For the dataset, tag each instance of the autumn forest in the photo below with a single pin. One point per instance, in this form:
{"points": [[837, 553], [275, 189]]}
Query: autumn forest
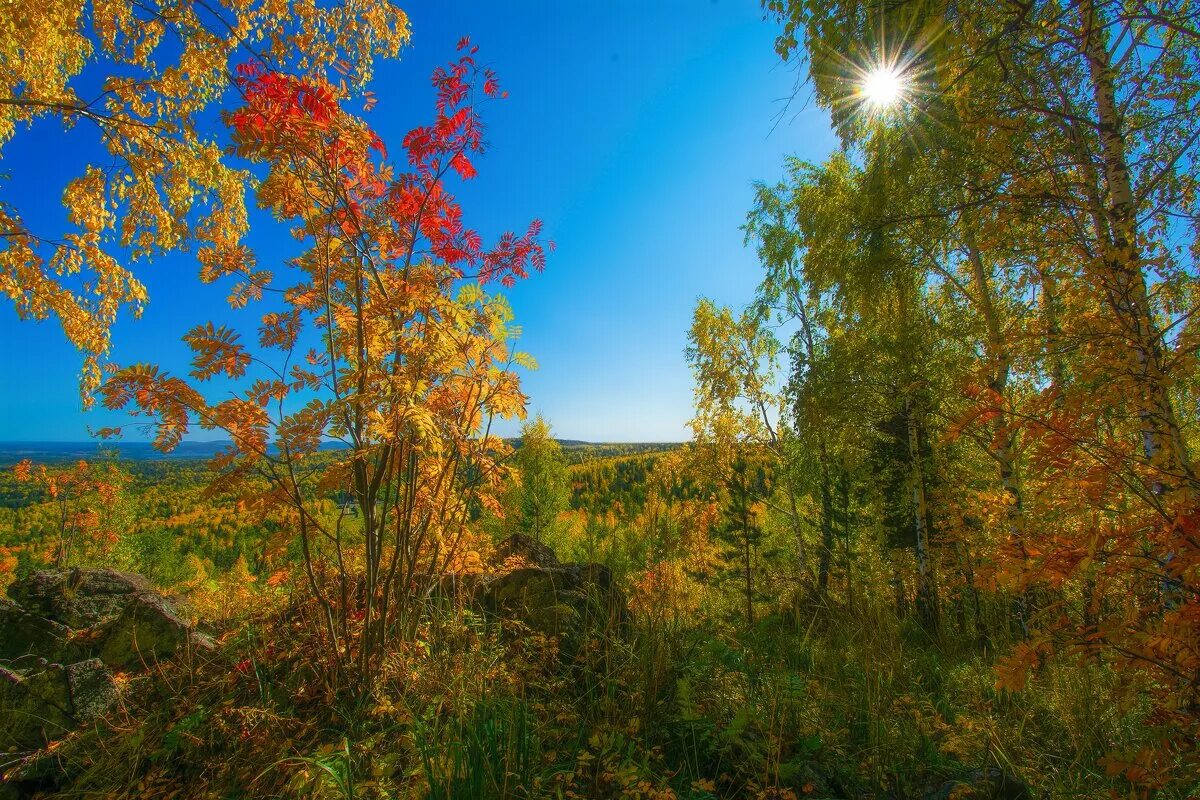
{"points": [[929, 527]]}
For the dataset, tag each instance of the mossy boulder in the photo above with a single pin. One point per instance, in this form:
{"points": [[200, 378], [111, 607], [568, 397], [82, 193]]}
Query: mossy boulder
{"points": [[59, 640], [532, 595], [67, 616], [147, 631], [34, 709], [558, 601], [78, 598], [42, 704], [531, 551], [26, 635], [982, 784]]}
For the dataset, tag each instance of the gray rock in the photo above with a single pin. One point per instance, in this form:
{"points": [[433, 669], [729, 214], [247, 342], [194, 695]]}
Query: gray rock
{"points": [[147, 631], [982, 784], [535, 553], [34, 709], [558, 601], [92, 689], [24, 634], [71, 617], [202, 642], [78, 598]]}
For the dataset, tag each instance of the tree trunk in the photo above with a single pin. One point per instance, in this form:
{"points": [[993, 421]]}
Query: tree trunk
{"points": [[1120, 273], [1003, 436], [826, 525], [798, 531], [1052, 319], [749, 575], [844, 492], [926, 585], [810, 353]]}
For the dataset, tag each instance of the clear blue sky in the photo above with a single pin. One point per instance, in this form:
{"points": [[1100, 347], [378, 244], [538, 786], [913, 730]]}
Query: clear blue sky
{"points": [[633, 129]]}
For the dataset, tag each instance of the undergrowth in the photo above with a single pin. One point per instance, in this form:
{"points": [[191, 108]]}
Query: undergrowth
{"points": [[803, 706]]}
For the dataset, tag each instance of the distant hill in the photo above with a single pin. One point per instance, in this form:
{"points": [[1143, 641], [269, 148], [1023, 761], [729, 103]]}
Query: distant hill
{"points": [[57, 452], [50, 452], [581, 452]]}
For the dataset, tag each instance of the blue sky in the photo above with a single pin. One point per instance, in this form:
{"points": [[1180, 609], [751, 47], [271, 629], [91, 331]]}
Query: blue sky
{"points": [[633, 129]]}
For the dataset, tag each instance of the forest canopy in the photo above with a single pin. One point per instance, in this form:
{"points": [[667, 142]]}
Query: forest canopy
{"points": [[935, 532]]}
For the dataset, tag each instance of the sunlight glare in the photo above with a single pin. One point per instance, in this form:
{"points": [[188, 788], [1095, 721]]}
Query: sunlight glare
{"points": [[882, 87]]}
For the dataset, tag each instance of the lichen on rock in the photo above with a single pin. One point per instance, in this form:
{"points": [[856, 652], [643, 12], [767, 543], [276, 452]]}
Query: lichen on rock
{"points": [[62, 632]]}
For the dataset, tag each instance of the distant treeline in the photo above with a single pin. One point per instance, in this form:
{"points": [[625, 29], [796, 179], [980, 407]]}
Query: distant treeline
{"points": [[620, 483], [574, 450], [580, 452]]}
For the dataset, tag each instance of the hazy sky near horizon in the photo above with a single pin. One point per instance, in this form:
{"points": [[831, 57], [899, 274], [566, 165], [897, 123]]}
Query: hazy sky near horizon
{"points": [[634, 130]]}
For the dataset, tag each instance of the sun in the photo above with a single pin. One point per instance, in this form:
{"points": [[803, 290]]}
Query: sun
{"points": [[882, 87]]}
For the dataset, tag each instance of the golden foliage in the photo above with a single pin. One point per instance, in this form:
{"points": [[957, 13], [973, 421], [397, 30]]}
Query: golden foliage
{"points": [[166, 183]]}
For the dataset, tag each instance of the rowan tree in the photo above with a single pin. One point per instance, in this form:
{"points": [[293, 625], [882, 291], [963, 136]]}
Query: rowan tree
{"points": [[386, 342], [84, 498]]}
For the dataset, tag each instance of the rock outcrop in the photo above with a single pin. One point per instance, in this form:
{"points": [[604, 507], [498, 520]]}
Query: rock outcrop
{"points": [[551, 597], [146, 631], [529, 550], [78, 598], [982, 784], [62, 634], [27, 634], [44, 703]]}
